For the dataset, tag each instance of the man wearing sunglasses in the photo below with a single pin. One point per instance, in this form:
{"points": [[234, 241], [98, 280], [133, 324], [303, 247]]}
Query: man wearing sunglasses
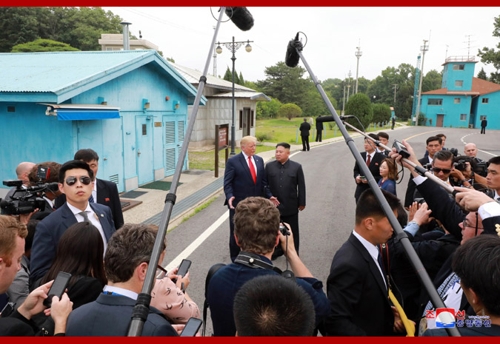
{"points": [[75, 181]]}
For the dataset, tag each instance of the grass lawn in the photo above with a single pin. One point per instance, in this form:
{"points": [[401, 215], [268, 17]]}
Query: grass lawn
{"points": [[270, 130]]}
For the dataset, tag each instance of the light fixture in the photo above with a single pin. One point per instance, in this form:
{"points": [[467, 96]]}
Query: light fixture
{"points": [[145, 104], [167, 98], [218, 50], [177, 105], [248, 47], [102, 101]]}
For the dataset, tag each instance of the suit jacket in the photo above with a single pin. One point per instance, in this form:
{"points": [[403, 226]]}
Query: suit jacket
{"points": [[410, 189], [107, 194], [374, 169], [49, 231], [110, 315], [238, 181], [359, 304], [304, 129], [288, 184]]}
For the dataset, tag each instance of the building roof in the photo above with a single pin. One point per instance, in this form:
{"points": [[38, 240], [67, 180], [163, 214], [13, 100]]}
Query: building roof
{"points": [[59, 76], [479, 87], [193, 76]]}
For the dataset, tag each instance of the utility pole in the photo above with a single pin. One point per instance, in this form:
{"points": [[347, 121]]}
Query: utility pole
{"points": [[395, 87], [358, 54], [215, 60], [423, 48], [348, 85]]}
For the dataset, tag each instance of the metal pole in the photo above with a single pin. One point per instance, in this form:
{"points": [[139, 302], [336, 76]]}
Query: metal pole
{"points": [[233, 134], [424, 49], [410, 251], [358, 55], [141, 308]]}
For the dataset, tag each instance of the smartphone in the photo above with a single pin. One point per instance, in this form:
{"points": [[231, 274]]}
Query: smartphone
{"points": [[362, 177], [58, 287], [191, 328], [184, 267]]}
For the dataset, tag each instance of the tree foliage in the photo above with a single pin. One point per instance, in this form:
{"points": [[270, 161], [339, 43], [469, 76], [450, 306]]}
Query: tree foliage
{"points": [[80, 27], [268, 109], [381, 113], [42, 45], [359, 105], [482, 74], [491, 55], [289, 111]]}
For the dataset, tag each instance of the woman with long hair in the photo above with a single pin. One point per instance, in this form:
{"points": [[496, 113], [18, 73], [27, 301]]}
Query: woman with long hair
{"points": [[389, 174], [80, 252]]}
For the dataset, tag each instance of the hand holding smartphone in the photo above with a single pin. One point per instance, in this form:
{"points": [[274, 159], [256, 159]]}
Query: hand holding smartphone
{"points": [[191, 328], [58, 287], [183, 269]]}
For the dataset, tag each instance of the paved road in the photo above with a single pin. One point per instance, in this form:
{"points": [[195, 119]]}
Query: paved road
{"points": [[328, 218]]}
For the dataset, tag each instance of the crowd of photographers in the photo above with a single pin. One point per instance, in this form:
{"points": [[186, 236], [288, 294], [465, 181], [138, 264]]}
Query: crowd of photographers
{"points": [[369, 291]]}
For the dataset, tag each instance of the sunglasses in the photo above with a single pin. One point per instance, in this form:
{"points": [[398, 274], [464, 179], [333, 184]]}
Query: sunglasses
{"points": [[437, 170], [83, 179], [160, 272]]}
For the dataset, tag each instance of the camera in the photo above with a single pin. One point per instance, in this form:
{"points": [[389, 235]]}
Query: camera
{"points": [[283, 229], [481, 168], [25, 199], [460, 165], [401, 149]]}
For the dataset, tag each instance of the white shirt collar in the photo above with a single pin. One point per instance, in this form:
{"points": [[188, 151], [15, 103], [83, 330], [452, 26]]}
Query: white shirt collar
{"points": [[124, 292]]}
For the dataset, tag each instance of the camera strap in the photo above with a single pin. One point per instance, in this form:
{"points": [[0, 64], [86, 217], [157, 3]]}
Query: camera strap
{"points": [[254, 261]]}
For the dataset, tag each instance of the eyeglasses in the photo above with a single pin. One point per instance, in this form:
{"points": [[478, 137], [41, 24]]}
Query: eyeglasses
{"points": [[160, 272], [83, 179], [465, 224], [437, 170]]}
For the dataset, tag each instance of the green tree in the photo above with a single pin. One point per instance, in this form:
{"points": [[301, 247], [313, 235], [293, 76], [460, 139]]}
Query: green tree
{"points": [[42, 45], [432, 81], [491, 55], [482, 74], [359, 105], [314, 105], [286, 84], [229, 76], [18, 25], [289, 111], [381, 113], [268, 109]]}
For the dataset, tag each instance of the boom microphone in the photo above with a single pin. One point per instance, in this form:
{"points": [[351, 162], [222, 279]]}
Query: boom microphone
{"points": [[292, 56], [241, 17], [331, 119]]}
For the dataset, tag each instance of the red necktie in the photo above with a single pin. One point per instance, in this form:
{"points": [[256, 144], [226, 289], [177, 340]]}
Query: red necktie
{"points": [[252, 170], [368, 160]]}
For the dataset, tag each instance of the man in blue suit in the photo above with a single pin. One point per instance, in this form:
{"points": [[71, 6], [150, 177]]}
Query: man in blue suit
{"points": [[244, 176], [75, 180]]}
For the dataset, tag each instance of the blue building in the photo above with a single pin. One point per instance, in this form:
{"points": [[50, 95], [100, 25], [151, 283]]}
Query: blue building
{"points": [[463, 101], [130, 106]]}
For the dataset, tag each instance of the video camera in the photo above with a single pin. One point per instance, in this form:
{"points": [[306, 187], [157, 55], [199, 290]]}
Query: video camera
{"points": [[25, 199]]}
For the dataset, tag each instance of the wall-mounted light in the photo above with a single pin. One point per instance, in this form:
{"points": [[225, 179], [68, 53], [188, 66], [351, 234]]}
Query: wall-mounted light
{"points": [[145, 104], [102, 101], [177, 104], [167, 98]]}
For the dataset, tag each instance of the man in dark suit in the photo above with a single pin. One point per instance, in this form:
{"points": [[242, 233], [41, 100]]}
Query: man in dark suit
{"points": [[75, 180], [319, 129], [373, 160], [433, 145], [126, 263], [244, 176], [286, 181], [104, 192], [304, 128], [484, 123], [356, 286]]}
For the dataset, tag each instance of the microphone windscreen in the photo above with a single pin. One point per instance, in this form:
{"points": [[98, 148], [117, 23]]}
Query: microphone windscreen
{"points": [[325, 119], [292, 56], [241, 17]]}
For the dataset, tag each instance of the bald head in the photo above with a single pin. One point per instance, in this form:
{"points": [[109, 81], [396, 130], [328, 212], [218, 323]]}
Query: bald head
{"points": [[23, 170], [470, 149]]}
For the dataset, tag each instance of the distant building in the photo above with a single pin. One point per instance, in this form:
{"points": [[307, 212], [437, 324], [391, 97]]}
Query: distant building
{"points": [[131, 107], [114, 41], [463, 101]]}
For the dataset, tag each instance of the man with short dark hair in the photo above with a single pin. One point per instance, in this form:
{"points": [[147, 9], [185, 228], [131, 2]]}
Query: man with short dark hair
{"points": [[373, 159], [304, 129], [125, 262], [75, 180], [287, 183], [319, 129], [357, 286], [256, 231], [383, 137], [493, 176], [272, 305], [104, 192]]}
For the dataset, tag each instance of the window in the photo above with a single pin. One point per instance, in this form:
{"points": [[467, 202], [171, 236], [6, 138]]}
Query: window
{"points": [[485, 100], [459, 83], [456, 101], [463, 116], [434, 101], [458, 67]]}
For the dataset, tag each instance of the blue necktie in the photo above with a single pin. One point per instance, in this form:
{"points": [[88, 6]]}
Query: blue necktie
{"points": [[91, 199]]}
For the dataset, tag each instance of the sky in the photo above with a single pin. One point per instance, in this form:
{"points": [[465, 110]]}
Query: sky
{"points": [[387, 37]]}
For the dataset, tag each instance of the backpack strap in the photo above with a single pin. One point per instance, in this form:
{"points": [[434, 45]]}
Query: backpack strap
{"points": [[213, 269]]}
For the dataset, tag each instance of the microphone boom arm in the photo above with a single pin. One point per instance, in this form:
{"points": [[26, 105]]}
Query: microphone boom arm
{"points": [[410, 251]]}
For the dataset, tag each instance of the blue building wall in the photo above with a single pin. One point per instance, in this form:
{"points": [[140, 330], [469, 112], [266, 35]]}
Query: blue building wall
{"points": [[452, 73], [491, 110], [134, 149]]}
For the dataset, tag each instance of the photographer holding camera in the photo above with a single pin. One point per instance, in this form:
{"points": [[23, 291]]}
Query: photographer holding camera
{"points": [[463, 173], [256, 231]]}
